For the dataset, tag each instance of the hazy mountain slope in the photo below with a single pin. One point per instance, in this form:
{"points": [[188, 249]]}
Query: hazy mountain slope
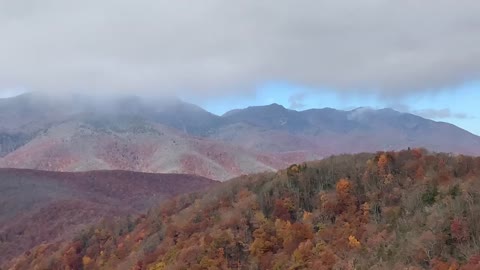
{"points": [[132, 144], [168, 135], [329, 131], [22, 117], [39, 206]]}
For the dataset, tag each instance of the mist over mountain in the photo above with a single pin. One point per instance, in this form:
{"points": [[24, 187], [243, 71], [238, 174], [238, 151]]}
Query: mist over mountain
{"points": [[247, 135], [80, 133]]}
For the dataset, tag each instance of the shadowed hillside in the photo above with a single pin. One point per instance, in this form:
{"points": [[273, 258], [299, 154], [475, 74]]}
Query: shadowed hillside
{"points": [[390, 210], [40, 206]]}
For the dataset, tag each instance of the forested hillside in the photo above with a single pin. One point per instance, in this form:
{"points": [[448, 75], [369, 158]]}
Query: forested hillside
{"points": [[45, 207], [390, 210]]}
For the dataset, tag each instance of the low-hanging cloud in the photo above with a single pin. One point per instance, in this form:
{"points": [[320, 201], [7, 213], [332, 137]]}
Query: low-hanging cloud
{"points": [[440, 114], [297, 101], [432, 113], [217, 46]]}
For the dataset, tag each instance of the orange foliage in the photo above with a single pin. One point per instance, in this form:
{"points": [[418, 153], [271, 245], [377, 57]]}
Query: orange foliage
{"points": [[86, 260], [317, 219], [420, 173], [343, 188], [353, 242], [264, 241], [382, 164]]}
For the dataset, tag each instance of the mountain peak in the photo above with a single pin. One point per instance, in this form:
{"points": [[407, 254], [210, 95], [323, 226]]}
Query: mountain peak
{"points": [[275, 105], [362, 109], [271, 108]]}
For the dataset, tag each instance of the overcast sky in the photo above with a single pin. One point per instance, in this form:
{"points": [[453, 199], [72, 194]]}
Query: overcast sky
{"points": [[389, 50]]}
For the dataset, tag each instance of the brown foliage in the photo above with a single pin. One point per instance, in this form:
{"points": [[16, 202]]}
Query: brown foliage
{"points": [[387, 211]]}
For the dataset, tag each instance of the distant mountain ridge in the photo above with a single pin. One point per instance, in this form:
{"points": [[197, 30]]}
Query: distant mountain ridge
{"points": [[168, 135]]}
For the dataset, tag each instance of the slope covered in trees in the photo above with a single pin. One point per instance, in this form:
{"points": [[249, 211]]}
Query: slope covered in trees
{"points": [[395, 210], [43, 207]]}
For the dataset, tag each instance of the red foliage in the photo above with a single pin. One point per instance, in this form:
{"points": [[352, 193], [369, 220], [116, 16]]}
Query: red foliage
{"points": [[68, 201], [283, 209], [459, 230]]}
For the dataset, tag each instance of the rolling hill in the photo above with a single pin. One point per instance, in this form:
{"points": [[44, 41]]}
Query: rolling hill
{"points": [[42, 207]]}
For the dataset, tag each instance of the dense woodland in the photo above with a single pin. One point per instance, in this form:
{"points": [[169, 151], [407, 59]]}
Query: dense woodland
{"points": [[389, 210]]}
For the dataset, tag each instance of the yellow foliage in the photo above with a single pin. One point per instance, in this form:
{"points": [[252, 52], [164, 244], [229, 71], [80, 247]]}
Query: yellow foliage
{"points": [[40, 250], [206, 262], [366, 209], [86, 260], [158, 266], [171, 254], [323, 197], [370, 164], [304, 252], [320, 247], [388, 179], [294, 168], [353, 242], [288, 203], [263, 242], [260, 217], [197, 204]]}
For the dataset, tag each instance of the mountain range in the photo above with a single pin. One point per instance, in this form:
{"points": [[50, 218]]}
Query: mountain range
{"points": [[168, 135]]}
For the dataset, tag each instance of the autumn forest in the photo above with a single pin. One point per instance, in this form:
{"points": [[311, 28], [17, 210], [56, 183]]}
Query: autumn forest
{"points": [[390, 210]]}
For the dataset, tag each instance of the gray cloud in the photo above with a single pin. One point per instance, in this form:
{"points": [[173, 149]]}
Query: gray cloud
{"points": [[432, 113], [297, 101], [440, 114], [216, 46]]}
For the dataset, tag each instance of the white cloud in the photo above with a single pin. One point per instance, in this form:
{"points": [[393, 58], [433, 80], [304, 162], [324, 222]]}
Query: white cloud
{"points": [[440, 114], [297, 101], [433, 113], [216, 46]]}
